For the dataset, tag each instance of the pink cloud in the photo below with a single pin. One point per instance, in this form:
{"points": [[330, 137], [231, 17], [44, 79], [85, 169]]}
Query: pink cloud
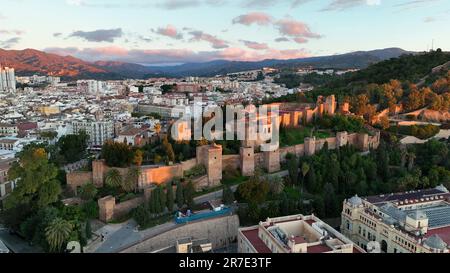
{"points": [[170, 31], [215, 42], [300, 40], [290, 27], [158, 56], [255, 45], [259, 18]]}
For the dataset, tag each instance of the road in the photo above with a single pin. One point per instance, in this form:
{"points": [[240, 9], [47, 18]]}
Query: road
{"points": [[17, 244], [119, 236]]}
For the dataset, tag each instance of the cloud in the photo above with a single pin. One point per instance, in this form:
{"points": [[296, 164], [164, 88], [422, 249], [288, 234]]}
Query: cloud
{"points": [[281, 39], [269, 3], [158, 56], [12, 31], [292, 28], [429, 19], [215, 42], [411, 4], [145, 39], [169, 31], [100, 35], [300, 40], [57, 34], [9, 43], [259, 18], [178, 4], [339, 5], [255, 45]]}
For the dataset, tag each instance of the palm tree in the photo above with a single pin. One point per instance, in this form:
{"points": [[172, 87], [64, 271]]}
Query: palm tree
{"points": [[305, 170], [57, 233], [113, 178], [132, 179]]}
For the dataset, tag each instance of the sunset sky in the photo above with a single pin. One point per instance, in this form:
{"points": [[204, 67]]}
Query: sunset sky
{"points": [[178, 31]]}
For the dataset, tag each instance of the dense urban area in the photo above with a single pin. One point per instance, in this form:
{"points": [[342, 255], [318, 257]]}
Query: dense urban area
{"points": [[362, 163]]}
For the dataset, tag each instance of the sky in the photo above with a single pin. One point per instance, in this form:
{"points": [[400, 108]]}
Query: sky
{"points": [[162, 32]]}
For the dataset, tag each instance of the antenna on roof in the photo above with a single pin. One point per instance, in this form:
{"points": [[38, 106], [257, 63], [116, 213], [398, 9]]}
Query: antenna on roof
{"points": [[432, 44]]}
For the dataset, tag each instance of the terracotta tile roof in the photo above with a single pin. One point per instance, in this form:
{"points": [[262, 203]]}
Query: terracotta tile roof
{"points": [[443, 233], [318, 249], [257, 243]]}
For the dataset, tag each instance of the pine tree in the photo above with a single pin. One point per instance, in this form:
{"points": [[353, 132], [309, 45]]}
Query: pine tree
{"points": [[189, 194], [180, 196], [227, 195], [170, 200]]}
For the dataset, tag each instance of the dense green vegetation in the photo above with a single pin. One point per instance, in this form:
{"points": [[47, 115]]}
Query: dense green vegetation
{"points": [[321, 182], [387, 84], [294, 136], [291, 80], [419, 131], [34, 209]]}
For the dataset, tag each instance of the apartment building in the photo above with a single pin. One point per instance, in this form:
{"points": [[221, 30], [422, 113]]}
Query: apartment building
{"points": [[99, 131]]}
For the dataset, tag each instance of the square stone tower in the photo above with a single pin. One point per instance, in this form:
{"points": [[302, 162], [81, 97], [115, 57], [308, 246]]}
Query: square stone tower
{"points": [[272, 161], [341, 139], [98, 170], [330, 105], [247, 161], [106, 206], [310, 146], [213, 162]]}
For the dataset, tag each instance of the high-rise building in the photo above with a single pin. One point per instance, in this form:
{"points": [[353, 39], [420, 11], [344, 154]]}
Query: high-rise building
{"points": [[7, 79], [406, 222], [99, 131]]}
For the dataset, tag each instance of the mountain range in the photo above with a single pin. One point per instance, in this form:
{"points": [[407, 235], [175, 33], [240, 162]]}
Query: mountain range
{"points": [[30, 61]]}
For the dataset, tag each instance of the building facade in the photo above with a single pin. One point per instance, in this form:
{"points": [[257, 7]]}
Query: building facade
{"points": [[99, 131], [407, 222], [294, 234], [7, 80]]}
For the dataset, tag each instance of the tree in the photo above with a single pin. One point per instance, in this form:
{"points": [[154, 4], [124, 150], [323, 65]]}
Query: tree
{"points": [[138, 157], [117, 154], [57, 233], [37, 186], [255, 190], [305, 170], [73, 147], [113, 178], [293, 169], [141, 215], [88, 191], [189, 192], [168, 149], [329, 196], [180, 196], [170, 198], [227, 195], [130, 183], [276, 185]]}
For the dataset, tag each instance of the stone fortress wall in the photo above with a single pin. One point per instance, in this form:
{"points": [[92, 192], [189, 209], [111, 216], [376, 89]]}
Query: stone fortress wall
{"points": [[211, 156], [220, 231]]}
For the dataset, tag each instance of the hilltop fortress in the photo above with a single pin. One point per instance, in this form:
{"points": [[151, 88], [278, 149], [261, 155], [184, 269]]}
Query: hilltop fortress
{"points": [[212, 158], [215, 162]]}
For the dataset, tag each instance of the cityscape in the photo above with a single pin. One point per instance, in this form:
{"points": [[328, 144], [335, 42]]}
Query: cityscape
{"points": [[249, 135]]}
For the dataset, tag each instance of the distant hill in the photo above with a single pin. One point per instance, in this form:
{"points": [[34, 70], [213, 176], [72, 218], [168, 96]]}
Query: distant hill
{"points": [[30, 61], [359, 59]]}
